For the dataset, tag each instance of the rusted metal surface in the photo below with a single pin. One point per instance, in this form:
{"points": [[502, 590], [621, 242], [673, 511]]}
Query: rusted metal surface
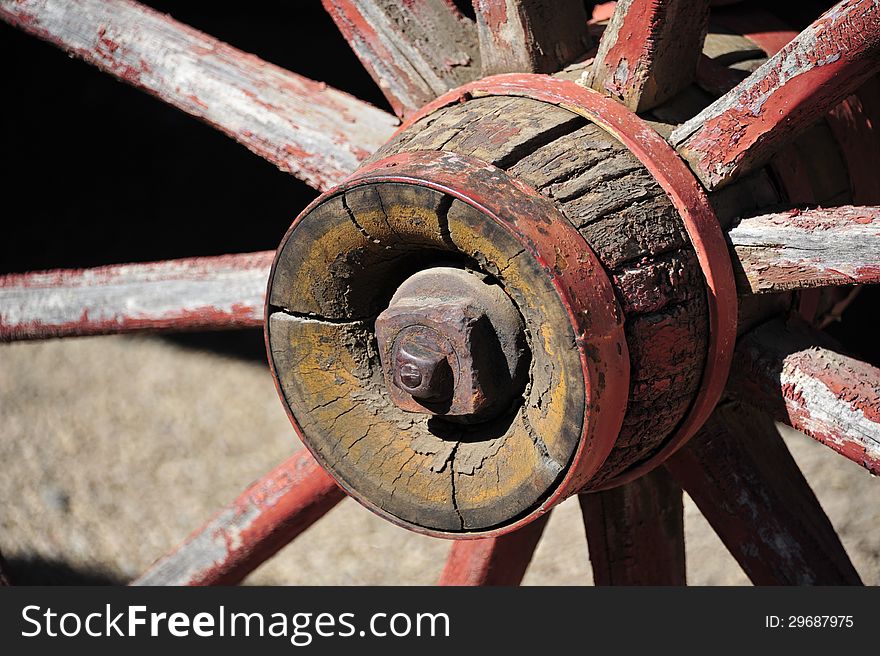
{"points": [[685, 194], [823, 65], [798, 249], [746, 484], [649, 51], [493, 561], [451, 345], [635, 532], [304, 127], [552, 447], [414, 51], [530, 36], [268, 515], [196, 293], [794, 375]]}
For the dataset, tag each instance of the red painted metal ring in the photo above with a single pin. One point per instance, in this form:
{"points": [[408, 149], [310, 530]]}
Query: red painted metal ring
{"points": [[585, 291], [686, 194]]}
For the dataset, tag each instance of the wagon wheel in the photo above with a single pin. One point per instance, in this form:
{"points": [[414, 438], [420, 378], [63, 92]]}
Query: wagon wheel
{"points": [[526, 292]]}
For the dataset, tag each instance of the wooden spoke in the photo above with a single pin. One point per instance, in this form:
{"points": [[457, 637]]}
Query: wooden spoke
{"points": [[740, 474], [493, 561], [822, 66], [635, 532], [530, 36], [270, 513], [315, 132], [650, 50], [415, 51], [196, 293], [813, 248], [792, 374]]}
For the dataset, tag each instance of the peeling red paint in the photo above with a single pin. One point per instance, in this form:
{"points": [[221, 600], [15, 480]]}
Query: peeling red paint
{"points": [[830, 397], [493, 561], [268, 515], [825, 63], [414, 60], [258, 104], [741, 476], [685, 194], [135, 297]]}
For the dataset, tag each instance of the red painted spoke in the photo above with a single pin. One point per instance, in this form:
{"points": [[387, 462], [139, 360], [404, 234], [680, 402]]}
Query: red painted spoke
{"points": [[823, 65], [834, 399], [316, 133], [196, 293], [740, 474], [813, 248], [635, 532], [530, 36], [649, 51], [493, 561], [850, 122], [270, 513], [415, 51]]}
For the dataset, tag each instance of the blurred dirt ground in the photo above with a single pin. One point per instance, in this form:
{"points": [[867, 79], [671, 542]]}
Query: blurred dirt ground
{"points": [[115, 448]]}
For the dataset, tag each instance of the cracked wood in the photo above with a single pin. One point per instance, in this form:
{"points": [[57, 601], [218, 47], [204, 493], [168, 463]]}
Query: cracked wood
{"points": [[795, 374], [740, 474], [798, 249], [196, 293], [649, 51], [315, 132], [415, 51], [635, 532], [629, 222], [530, 36], [823, 65]]}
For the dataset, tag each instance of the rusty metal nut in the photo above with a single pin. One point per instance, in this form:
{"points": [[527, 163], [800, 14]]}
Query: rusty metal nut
{"points": [[452, 345], [421, 364]]}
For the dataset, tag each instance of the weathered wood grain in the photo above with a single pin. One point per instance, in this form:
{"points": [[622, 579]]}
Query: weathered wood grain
{"points": [[493, 561], [414, 51], [530, 36], [794, 374], [798, 249], [740, 474], [650, 50], [268, 515], [635, 532], [823, 65], [306, 128], [627, 219], [196, 293]]}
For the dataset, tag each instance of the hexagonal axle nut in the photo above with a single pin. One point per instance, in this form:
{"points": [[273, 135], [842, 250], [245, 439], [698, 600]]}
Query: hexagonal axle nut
{"points": [[452, 345]]}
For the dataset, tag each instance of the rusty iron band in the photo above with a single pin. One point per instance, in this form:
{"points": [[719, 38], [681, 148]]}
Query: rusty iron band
{"points": [[584, 290], [687, 196]]}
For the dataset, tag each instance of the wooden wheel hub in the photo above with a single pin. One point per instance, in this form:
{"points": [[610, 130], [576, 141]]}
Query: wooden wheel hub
{"points": [[526, 292], [485, 278]]}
